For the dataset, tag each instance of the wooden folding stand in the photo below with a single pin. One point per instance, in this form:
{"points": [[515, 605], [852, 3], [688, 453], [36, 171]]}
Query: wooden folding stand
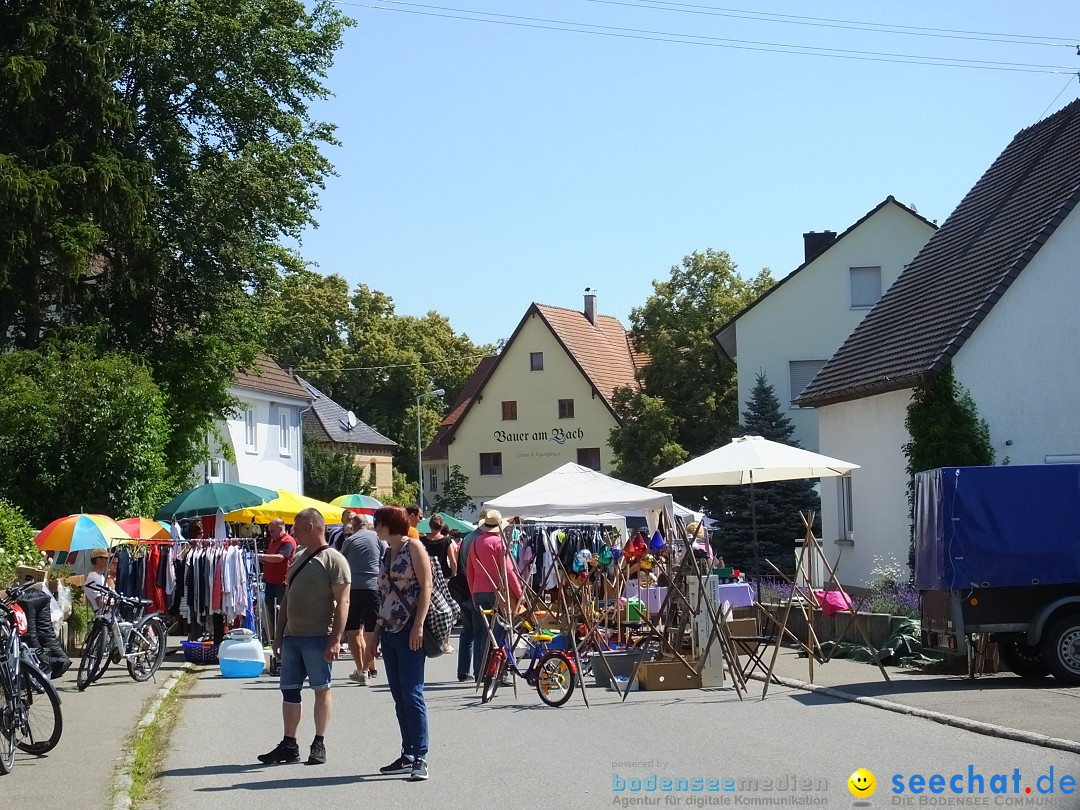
{"points": [[813, 646]]}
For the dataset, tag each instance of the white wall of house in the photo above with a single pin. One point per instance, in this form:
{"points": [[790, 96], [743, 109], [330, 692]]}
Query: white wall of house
{"points": [[1022, 364], [869, 432], [266, 456], [811, 315]]}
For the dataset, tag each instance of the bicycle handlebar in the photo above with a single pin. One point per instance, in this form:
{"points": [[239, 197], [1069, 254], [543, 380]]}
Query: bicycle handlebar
{"points": [[107, 591]]}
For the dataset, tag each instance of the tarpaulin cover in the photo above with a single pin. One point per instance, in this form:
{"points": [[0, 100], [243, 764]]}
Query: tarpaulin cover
{"points": [[979, 527]]}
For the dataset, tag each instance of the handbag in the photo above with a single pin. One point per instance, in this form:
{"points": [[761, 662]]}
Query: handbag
{"points": [[440, 616]]}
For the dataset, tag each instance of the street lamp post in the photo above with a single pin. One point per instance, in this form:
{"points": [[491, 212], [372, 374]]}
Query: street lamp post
{"points": [[438, 392]]}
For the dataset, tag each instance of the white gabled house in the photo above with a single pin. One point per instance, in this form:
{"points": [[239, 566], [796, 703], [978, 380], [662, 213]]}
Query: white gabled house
{"points": [[793, 329], [266, 434], [995, 293]]}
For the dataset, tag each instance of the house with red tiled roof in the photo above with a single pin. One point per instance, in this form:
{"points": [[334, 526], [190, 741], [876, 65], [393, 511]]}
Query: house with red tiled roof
{"points": [[264, 435], [546, 399], [993, 295]]}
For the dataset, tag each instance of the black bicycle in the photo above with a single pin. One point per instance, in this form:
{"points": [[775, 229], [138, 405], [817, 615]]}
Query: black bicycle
{"points": [[120, 628], [30, 716]]}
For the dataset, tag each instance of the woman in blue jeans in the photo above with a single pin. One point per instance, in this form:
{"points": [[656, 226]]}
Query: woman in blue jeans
{"points": [[405, 586]]}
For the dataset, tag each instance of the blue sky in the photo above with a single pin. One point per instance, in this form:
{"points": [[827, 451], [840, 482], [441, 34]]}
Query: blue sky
{"points": [[486, 166]]}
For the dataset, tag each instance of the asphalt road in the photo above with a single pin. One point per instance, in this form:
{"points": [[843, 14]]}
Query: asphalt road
{"points": [[518, 752]]}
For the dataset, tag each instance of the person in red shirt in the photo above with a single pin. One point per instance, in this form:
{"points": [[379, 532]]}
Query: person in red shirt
{"points": [[492, 577], [275, 567]]}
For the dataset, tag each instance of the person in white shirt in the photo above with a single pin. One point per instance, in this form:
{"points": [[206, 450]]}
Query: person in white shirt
{"points": [[99, 559]]}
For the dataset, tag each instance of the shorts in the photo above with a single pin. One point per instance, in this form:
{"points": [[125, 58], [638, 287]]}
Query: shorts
{"points": [[304, 657], [363, 610]]}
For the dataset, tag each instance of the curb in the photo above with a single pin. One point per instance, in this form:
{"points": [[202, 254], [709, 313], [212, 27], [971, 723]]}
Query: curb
{"points": [[976, 726], [122, 780]]}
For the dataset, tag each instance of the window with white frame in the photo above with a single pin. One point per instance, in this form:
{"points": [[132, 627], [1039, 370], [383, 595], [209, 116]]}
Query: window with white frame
{"points": [[865, 286], [800, 374], [284, 432], [845, 511], [250, 430], [215, 470], [433, 484]]}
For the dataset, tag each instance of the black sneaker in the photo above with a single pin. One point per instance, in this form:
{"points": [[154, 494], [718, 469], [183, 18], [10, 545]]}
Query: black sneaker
{"points": [[285, 752], [373, 673], [317, 754], [419, 770], [403, 764], [463, 678]]}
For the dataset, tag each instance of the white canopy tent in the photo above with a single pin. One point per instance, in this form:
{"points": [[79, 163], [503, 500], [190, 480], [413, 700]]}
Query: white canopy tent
{"points": [[574, 490]]}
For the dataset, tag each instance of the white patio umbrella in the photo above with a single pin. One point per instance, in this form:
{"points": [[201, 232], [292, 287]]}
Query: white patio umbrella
{"points": [[751, 460]]}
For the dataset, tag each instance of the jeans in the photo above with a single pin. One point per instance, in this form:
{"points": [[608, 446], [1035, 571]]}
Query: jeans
{"points": [[304, 657], [405, 676], [481, 641], [472, 636]]}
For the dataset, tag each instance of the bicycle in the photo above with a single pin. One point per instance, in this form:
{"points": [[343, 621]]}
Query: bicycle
{"points": [[30, 717], [552, 672], [142, 639]]}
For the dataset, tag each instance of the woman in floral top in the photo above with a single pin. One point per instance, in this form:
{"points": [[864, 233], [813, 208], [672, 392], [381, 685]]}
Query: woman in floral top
{"points": [[405, 585]]}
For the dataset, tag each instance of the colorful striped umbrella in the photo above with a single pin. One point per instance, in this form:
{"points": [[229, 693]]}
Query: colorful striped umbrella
{"points": [[140, 528], [357, 503], [80, 533]]}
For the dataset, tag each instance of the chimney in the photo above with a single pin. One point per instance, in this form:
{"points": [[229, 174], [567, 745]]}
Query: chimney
{"points": [[590, 305], [814, 242]]}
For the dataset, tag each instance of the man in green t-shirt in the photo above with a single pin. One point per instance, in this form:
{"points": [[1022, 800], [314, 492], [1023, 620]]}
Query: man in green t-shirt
{"points": [[307, 638]]}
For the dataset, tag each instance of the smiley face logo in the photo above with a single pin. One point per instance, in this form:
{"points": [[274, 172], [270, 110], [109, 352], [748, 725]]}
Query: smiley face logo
{"points": [[862, 784]]}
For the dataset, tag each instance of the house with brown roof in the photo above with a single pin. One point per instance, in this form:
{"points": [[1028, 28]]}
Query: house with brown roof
{"points": [[789, 331], [265, 434], [994, 295], [546, 399], [339, 430]]}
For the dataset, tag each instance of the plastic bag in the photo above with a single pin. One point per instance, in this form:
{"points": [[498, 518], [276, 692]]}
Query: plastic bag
{"points": [[63, 597]]}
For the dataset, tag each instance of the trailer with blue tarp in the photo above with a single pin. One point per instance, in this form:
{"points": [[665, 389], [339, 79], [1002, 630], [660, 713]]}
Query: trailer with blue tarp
{"points": [[997, 553]]}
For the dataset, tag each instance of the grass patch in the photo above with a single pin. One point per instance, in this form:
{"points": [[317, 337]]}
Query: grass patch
{"points": [[150, 745]]}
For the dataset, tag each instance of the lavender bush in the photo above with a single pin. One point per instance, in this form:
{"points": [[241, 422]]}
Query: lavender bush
{"points": [[890, 590]]}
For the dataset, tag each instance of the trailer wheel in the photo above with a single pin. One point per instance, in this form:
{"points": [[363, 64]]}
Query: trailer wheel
{"points": [[1023, 659], [1061, 649]]}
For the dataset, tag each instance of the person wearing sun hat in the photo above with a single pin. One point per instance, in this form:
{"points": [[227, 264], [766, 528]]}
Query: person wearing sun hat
{"points": [[99, 560], [491, 573]]}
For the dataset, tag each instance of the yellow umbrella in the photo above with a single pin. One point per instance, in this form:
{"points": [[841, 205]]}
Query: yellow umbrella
{"points": [[286, 506]]}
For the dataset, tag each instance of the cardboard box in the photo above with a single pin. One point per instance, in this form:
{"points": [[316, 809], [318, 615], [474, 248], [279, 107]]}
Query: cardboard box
{"points": [[656, 676], [743, 627]]}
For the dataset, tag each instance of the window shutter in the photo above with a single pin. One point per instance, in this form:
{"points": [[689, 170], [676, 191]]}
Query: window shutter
{"points": [[865, 286], [802, 372]]}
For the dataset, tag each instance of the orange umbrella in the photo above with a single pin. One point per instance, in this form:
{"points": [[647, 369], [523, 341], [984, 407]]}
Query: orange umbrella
{"points": [[140, 528]]}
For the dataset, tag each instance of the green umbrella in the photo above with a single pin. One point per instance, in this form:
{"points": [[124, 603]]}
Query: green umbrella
{"points": [[424, 526], [207, 499]]}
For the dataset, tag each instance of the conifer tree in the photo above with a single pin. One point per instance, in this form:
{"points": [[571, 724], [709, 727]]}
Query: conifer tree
{"points": [[777, 504]]}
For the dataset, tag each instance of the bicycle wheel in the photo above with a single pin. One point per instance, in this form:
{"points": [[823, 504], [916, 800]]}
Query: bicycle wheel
{"points": [[9, 705], [652, 644], [494, 672], [44, 722], [94, 654], [146, 650], [555, 679]]}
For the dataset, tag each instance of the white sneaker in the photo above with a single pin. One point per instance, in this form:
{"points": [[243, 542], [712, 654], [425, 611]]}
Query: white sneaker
{"points": [[358, 677]]}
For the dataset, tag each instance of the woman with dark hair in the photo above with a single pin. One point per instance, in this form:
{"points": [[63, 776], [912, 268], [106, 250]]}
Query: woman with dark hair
{"points": [[405, 583]]}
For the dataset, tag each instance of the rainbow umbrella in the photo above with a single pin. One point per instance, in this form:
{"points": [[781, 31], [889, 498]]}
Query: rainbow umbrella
{"points": [[140, 528], [357, 503], [80, 533]]}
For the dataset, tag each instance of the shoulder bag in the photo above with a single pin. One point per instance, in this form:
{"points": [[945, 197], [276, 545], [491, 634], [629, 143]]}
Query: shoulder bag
{"points": [[295, 571], [440, 616]]}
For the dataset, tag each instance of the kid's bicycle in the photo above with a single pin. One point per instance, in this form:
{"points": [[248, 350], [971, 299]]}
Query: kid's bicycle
{"points": [[552, 672]]}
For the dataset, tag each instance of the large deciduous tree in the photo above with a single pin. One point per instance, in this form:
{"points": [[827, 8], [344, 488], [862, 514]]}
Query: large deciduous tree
{"points": [[688, 402], [152, 158]]}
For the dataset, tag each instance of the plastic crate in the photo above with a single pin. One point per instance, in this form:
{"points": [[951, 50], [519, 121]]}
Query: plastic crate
{"points": [[196, 652]]}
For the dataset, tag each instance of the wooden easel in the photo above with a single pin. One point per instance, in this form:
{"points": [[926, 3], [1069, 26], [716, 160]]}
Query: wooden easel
{"points": [[813, 646]]}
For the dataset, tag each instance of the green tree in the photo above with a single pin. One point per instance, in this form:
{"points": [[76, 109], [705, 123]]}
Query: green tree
{"points": [[328, 473], [455, 493], [155, 157], [85, 433], [693, 399], [776, 504], [16, 542], [946, 431], [645, 443]]}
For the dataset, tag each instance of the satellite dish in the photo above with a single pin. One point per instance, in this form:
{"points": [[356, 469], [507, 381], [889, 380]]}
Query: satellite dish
{"points": [[352, 420]]}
